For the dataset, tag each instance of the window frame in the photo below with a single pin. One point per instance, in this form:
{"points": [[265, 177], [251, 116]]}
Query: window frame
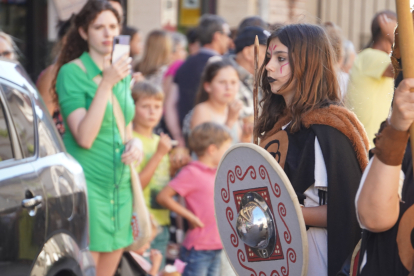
{"points": [[19, 157]]}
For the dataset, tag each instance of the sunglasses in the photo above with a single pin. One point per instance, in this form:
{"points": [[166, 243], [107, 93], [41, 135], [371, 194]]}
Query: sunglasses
{"points": [[6, 53]]}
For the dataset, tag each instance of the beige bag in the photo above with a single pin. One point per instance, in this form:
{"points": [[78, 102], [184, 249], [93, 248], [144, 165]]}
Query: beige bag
{"points": [[140, 222]]}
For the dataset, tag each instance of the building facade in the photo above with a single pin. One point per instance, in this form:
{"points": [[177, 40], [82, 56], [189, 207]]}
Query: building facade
{"points": [[33, 22], [353, 16]]}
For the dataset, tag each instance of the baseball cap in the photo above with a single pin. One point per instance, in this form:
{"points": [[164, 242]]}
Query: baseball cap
{"points": [[247, 36]]}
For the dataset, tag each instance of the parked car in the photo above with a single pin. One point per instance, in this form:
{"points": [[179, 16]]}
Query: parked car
{"points": [[43, 201]]}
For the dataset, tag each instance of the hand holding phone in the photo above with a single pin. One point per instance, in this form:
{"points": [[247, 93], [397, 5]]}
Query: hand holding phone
{"points": [[117, 71]]}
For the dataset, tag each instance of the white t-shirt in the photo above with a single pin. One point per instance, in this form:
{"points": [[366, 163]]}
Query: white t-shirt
{"points": [[317, 236]]}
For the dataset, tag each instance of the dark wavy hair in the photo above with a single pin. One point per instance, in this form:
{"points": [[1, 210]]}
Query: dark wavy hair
{"points": [[311, 59], [75, 45]]}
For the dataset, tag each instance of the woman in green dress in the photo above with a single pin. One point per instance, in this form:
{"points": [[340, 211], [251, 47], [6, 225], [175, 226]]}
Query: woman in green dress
{"points": [[86, 86]]}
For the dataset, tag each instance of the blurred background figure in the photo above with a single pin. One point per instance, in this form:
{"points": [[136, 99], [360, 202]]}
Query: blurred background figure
{"points": [[178, 56], [193, 42], [156, 57], [217, 99], [253, 21], [347, 63], [118, 6], [349, 56], [213, 35], [135, 42], [243, 61], [45, 79], [335, 37], [155, 62], [154, 170], [7, 47], [371, 85], [202, 247], [273, 27]]}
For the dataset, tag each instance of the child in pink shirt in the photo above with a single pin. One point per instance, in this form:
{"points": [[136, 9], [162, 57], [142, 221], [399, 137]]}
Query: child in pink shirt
{"points": [[202, 247]]}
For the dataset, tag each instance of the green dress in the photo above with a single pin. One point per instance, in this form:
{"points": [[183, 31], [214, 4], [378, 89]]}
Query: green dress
{"points": [[108, 179]]}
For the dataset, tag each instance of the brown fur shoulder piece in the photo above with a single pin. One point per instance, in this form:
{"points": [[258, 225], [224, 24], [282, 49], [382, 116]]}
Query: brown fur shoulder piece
{"points": [[278, 126], [346, 122]]}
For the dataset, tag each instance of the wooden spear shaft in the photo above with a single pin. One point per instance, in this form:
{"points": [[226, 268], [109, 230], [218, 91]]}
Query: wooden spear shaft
{"points": [[406, 43], [256, 88]]}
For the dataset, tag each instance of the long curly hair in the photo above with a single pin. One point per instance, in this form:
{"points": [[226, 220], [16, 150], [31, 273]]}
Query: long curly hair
{"points": [[75, 45], [312, 60]]}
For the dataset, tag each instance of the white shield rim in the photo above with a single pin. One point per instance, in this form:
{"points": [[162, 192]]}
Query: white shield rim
{"points": [[271, 160]]}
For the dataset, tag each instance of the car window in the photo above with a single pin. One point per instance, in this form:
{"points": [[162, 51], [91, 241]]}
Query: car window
{"points": [[20, 107], [6, 151]]}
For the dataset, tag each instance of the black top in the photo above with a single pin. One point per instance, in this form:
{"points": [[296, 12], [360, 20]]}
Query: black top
{"points": [[380, 250], [344, 174], [188, 80]]}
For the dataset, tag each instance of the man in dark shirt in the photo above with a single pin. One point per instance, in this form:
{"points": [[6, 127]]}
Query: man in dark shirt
{"points": [[213, 35]]}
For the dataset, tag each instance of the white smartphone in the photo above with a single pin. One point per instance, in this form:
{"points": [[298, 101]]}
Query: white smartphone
{"points": [[120, 47]]}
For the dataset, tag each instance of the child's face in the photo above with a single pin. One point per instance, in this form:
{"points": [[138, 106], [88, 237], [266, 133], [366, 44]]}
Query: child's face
{"points": [[221, 151], [148, 111], [224, 87], [278, 68]]}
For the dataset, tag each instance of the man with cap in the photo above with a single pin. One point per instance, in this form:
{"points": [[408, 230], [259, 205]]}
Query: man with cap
{"points": [[243, 61]]}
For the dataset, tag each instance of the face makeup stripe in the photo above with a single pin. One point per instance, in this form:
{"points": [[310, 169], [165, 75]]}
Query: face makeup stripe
{"points": [[272, 47], [281, 67]]}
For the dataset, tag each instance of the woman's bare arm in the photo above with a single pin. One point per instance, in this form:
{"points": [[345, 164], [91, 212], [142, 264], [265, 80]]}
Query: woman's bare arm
{"points": [[378, 202], [200, 116], [316, 216], [171, 114], [85, 124], [165, 198]]}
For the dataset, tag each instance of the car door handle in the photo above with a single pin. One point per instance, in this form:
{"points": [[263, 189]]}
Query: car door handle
{"points": [[32, 202]]}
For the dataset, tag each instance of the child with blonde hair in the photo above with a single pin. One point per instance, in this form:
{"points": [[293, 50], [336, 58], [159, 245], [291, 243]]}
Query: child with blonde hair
{"points": [[154, 171]]}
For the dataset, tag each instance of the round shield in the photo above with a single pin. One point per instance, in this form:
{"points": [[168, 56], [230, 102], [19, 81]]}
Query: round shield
{"points": [[258, 215]]}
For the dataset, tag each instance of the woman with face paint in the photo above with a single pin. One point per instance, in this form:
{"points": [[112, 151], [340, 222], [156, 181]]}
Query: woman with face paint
{"points": [[321, 146]]}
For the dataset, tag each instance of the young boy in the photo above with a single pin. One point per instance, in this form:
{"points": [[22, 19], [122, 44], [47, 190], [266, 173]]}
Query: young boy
{"points": [[154, 170], [202, 247]]}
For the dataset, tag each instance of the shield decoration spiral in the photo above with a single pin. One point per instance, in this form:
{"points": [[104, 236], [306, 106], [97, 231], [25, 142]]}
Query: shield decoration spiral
{"points": [[258, 215]]}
